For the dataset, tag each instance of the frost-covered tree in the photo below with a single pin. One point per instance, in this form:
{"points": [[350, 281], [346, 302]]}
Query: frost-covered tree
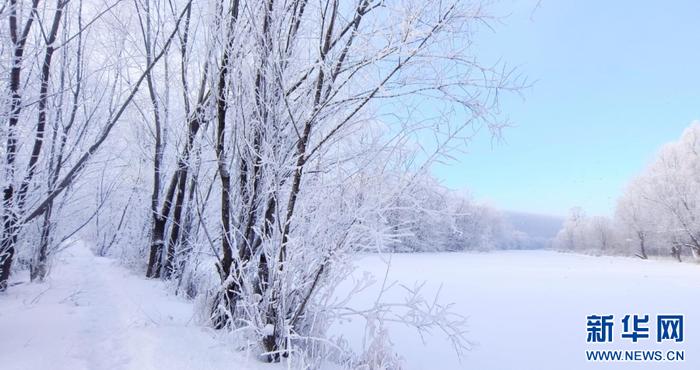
{"points": [[284, 103], [658, 213], [56, 116], [245, 150], [661, 206], [571, 236], [433, 218], [637, 220], [581, 233]]}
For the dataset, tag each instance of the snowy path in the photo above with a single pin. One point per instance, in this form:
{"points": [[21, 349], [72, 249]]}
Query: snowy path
{"points": [[93, 314]]}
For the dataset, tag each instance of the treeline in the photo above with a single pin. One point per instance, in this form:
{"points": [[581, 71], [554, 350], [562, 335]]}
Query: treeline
{"points": [[658, 213], [436, 219]]}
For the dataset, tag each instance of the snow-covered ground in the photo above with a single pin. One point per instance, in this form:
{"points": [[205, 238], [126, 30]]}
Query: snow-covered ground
{"points": [[527, 311], [94, 314]]}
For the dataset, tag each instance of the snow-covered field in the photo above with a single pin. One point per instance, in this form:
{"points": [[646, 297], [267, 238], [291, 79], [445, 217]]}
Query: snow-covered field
{"points": [[527, 310]]}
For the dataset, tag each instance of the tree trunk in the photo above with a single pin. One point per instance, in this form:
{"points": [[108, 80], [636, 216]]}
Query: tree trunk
{"points": [[157, 242], [182, 172], [676, 252], [9, 237], [10, 221], [227, 265], [176, 224], [642, 248], [156, 265], [38, 267]]}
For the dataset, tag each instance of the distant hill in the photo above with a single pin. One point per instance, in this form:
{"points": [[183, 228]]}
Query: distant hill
{"points": [[540, 229]]}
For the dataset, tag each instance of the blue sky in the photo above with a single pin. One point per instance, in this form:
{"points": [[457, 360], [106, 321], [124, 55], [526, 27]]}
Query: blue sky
{"points": [[614, 80]]}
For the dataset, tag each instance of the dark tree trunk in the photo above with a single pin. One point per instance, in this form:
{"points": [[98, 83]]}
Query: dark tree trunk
{"points": [[182, 172], [158, 219], [676, 252], [176, 225], [227, 265], [157, 266], [156, 251], [155, 257], [38, 267], [9, 237], [18, 36], [642, 248]]}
